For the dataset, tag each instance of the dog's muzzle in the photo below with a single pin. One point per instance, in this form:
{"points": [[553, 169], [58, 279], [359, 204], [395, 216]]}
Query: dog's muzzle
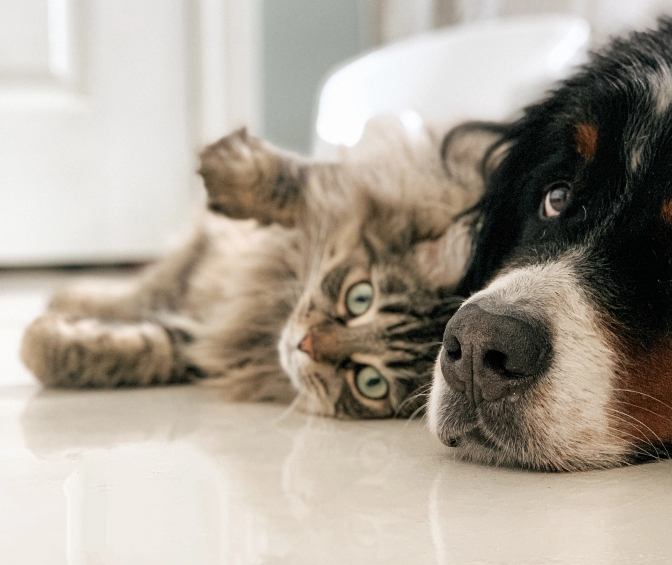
{"points": [[489, 355]]}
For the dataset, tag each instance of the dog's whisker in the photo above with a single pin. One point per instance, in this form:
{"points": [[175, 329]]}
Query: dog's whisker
{"points": [[643, 394], [625, 417], [644, 409]]}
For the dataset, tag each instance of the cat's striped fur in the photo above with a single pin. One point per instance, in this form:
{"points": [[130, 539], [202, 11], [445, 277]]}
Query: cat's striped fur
{"points": [[268, 267]]}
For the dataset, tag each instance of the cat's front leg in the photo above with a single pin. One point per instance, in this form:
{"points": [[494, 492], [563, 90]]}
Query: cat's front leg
{"points": [[247, 177]]}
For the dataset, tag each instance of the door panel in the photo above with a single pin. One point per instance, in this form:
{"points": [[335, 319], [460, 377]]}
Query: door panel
{"points": [[24, 40], [97, 128]]}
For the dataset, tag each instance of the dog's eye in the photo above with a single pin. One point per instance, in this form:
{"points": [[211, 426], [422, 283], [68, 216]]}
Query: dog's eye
{"points": [[555, 199]]}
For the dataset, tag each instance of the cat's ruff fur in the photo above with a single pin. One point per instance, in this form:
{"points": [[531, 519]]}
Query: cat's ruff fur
{"points": [[235, 301]]}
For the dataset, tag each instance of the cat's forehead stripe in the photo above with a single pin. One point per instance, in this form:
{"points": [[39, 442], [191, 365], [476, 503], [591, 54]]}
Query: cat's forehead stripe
{"points": [[392, 284], [394, 308], [417, 366], [370, 249], [333, 281]]}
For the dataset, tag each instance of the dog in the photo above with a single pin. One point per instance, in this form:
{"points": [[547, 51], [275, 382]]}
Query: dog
{"points": [[561, 358]]}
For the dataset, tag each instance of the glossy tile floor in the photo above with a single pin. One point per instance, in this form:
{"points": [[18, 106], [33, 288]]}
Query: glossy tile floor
{"points": [[174, 476]]}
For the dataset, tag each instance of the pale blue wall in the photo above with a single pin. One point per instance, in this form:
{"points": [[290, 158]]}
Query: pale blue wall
{"points": [[302, 40]]}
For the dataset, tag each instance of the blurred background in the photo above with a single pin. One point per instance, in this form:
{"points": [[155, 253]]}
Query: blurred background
{"points": [[303, 39], [104, 104]]}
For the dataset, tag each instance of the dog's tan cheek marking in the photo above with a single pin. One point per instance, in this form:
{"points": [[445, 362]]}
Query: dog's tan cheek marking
{"points": [[585, 141], [666, 211], [644, 396]]}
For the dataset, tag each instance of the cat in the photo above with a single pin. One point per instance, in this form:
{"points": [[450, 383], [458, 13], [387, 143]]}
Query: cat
{"points": [[332, 280]]}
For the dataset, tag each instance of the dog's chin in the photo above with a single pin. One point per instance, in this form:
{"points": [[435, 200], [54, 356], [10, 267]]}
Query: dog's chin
{"points": [[500, 434], [473, 432], [476, 446]]}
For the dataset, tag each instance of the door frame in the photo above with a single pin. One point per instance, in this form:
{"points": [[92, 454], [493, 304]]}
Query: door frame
{"points": [[229, 78]]}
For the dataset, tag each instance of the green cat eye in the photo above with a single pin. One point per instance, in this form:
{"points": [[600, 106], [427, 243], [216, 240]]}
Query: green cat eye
{"points": [[359, 297], [371, 384]]}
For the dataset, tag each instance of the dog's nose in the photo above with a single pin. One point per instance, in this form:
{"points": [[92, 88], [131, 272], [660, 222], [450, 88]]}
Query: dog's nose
{"points": [[489, 356]]}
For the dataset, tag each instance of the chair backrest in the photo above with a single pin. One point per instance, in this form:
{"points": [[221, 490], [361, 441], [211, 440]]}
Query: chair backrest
{"points": [[486, 71]]}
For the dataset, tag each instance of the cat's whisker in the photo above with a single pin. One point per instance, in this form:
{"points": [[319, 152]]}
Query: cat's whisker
{"points": [[319, 390], [415, 413], [419, 392], [291, 408]]}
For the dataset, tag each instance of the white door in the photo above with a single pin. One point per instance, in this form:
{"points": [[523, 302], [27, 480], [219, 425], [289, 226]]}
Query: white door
{"points": [[102, 112]]}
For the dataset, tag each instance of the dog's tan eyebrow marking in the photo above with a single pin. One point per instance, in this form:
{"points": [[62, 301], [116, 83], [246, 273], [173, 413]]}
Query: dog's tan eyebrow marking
{"points": [[585, 139], [666, 211]]}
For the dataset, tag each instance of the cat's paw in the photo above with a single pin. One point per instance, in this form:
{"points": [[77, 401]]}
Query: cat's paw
{"points": [[62, 351], [248, 178]]}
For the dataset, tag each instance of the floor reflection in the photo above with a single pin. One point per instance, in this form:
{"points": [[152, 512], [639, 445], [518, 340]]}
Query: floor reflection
{"points": [[173, 472], [174, 475]]}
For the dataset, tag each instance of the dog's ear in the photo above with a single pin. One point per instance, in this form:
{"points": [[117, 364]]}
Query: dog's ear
{"points": [[246, 177], [498, 218]]}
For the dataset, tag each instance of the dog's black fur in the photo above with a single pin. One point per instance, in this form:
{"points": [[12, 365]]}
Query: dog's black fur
{"points": [[604, 139], [634, 240]]}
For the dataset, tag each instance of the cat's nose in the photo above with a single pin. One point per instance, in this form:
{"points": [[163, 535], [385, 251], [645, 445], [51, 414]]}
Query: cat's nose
{"points": [[306, 345], [491, 355]]}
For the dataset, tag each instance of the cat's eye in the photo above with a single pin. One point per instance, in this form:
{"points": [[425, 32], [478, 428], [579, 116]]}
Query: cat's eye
{"points": [[359, 297], [371, 384], [555, 200]]}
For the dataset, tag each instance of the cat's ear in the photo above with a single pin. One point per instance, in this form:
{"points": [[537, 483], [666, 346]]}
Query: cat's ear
{"points": [[442, 261], [471, 151], [443, 233], [246, 177]]}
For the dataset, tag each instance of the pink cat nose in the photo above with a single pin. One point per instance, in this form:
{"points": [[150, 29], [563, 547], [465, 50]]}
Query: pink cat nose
{"points": [[306, 345]]}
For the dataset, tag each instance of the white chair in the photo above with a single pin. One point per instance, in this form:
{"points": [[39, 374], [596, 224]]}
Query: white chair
{"points": [[486, 71]]}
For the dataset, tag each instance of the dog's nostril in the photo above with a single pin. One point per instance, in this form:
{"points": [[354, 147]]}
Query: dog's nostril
{"points": [[452, 348], [452, 367], [496, 361], [500, 363]]}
